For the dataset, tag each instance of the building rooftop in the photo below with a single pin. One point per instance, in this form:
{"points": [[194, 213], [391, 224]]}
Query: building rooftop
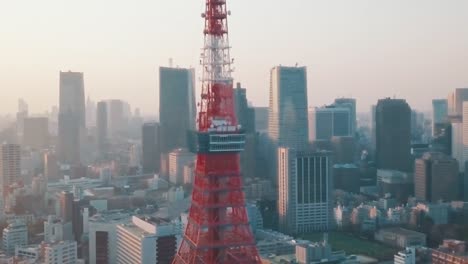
{"points": [[401, 231], [111, 216]]}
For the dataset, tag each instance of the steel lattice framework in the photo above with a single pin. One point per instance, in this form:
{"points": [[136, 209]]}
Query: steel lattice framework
{"points": [[218, 229]]}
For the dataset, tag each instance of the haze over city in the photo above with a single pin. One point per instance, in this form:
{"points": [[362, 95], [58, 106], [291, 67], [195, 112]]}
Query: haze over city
{"points": [[234, 132], [365, 49]]}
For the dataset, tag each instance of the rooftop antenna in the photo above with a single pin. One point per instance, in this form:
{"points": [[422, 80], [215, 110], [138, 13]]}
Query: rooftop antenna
{"points": [[171, 61]]}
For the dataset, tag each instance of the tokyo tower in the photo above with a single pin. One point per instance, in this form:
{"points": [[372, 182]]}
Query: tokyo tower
{"points": [[218, 229]]}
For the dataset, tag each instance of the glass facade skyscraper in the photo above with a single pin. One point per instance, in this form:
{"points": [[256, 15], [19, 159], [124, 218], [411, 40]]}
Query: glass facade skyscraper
{"points": [[177, 110], [288, 120]]}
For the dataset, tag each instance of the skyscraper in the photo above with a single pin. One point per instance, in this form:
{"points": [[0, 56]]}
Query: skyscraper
{"points": [[10, 165], [436, 177], [72, 117], [439, 115], [328, 122], [245, 114], [51, 168], [66, 206], [349, 103], [304, 191], [455, 101], [246, 118], [118, 113], [36, 132], [393, 135], [176, 107], [288, 119], [90, 112], [151, 147], [101, 128]]}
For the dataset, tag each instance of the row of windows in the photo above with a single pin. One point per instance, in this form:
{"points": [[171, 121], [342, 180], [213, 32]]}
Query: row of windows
{"points": [[312, 179]]}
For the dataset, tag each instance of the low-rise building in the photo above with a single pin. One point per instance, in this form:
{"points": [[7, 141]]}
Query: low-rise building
{"points": [[399, 237], [62, 252], [15, 234], [407, 256]]}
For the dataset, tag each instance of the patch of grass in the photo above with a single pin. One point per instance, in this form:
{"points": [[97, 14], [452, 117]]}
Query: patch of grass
{"points": [[353, 245]]}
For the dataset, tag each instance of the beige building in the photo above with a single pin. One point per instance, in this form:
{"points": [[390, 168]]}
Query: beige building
{"points": [[177, 160], [399, 237], [436, 177], [10, 165]]}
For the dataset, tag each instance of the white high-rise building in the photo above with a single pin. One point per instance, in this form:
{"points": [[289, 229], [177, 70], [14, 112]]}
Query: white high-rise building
{"points": [[15, 234], [62, 252], [103, 236], [305, 187], [147, 241]]}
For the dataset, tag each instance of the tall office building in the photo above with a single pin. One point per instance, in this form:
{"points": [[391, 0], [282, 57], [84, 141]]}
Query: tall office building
{"points": [[20, 116], [328, 122], [177, 160], [464, 134], [455, 101], [151, 148], [245, 114], [10, 165], [436, 177], [90, 112], [246, 118], [147, 241], [72, 117], [118, 114], [288, 119], [15, 234], [36, 132], [373, 127], [349, 103], [101, 128], [261, 119], [177, 109], [305, 187], [393, 135], [103, 236], [344, 150], [51, 168], [439, 115], [66, 206]]}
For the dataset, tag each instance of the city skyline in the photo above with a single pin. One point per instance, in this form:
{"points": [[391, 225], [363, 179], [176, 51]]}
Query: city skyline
{"points": [[397, 45]]}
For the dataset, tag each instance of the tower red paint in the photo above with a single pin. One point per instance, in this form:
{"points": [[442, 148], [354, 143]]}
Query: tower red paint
{"points": [[218, 229]]}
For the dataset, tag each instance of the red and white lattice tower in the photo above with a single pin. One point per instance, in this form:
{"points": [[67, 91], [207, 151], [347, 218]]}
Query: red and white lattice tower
{"points": [[218, 229]]}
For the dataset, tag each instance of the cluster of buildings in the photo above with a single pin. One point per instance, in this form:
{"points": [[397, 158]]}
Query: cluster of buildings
{"points": [[86, 160]]}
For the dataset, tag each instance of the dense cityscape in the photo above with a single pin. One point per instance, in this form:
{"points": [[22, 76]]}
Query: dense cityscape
{"points": [[212, 178]]}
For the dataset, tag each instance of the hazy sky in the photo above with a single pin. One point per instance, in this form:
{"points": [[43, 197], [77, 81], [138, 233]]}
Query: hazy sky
{"points": [[368, 49]]}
